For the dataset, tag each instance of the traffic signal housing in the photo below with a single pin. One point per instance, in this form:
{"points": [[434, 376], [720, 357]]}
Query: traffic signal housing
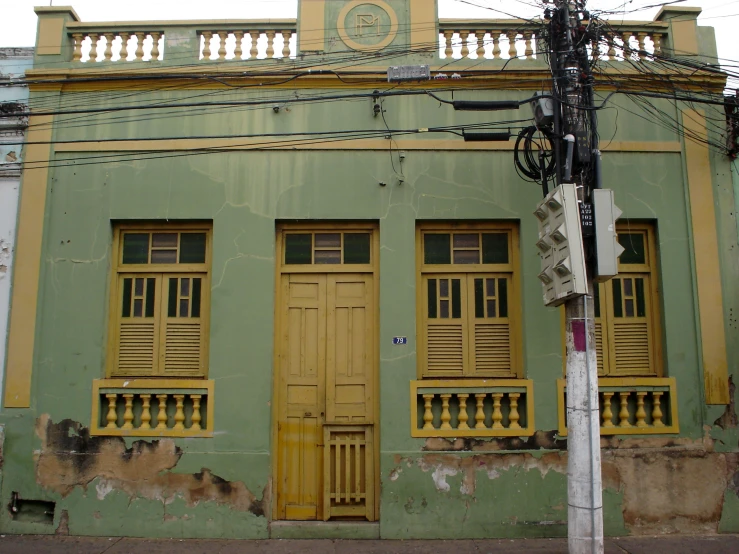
{"points": [[607, 247], [563, 272]]}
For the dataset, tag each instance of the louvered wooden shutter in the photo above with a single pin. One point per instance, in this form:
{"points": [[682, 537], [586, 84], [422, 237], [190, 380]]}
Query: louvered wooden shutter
{"points": [[446, 326], [182, 347], [492, 348], [136, 347], [445, 349], [602, 370], [136, 332], [631, 346], [182, 341]]}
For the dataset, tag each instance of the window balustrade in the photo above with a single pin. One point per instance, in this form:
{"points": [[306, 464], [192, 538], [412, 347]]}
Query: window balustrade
{"points": [[152, 408], [472, 408], [630, 406]]}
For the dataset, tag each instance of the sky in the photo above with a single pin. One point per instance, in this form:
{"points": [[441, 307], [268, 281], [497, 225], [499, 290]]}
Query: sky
{"points": [[19, 29]]}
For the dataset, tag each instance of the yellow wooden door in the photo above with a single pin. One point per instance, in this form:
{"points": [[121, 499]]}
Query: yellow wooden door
{"points": [[326, 376]]}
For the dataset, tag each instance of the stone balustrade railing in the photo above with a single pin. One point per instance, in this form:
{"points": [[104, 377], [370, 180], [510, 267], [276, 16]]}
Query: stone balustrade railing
{"points": [[152, 407], [106, 43], [184, 42], [496, 39], [255, 40], [631, 405], [472, 408]]}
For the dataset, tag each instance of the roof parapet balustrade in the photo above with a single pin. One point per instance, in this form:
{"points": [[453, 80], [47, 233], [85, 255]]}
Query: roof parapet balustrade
{"points": [[137, 42], [505, 39], [96, 44], [64, 43], [249, 40]]}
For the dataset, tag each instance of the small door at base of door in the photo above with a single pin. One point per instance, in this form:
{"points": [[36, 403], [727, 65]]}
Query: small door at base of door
{"points": [[326, 341]]}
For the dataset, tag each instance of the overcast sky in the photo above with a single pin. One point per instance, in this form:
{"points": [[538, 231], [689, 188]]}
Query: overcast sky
{"points": [[18, 24]]}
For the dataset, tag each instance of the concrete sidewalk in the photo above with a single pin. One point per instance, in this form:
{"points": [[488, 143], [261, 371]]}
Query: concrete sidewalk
{"points": [[33, 544]]}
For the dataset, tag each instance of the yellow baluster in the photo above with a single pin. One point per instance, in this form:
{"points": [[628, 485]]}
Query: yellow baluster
{"points": [[196, 417], [514, 416], [607, 413], [238, 52], [128, 413], [464, 36], [162, 413], [640, 38], [179, 415], [657, 39], [94, 37], [497, 414], [428, 416], [155, 46], [463, 415], [495, 35], [145, 411], [480, 413], [657, 410], [112, 417], [222, 36], [529, 53], [626, 36], [448, 44], [512, 53], [480, 39], [286, 46], [623, 414], [206, 44], [140, 45], [254, 52], [611, 48], [77, 52], [124, 46], [108, 53], [270, 44], [445, 415], [641, 415]]}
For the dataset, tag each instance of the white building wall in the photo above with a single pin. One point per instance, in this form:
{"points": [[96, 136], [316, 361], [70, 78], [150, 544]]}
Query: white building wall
{"points": [[13, 100]]}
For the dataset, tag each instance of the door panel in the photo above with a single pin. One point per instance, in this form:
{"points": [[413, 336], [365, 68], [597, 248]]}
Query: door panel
{"points": [[302, 373], [326, 371], [350, 349]]}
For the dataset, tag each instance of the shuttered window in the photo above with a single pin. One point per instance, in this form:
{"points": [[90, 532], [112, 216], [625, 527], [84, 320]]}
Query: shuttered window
{"points": [[468, 300], [160, 303], [627, 309]]}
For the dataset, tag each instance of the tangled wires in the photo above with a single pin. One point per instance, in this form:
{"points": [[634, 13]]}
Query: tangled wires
{"points": [[531, 157]]}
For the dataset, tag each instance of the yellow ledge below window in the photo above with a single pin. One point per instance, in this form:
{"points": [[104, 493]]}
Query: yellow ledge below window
{"points": [[630, 405], [472, 408], [152, 407]]}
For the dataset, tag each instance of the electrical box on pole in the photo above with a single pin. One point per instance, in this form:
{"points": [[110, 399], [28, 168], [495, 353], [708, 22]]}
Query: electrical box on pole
{"points": [[563, 272], [607, 246]]}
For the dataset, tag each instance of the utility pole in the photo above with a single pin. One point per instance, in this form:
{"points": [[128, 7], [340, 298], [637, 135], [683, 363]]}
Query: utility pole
{"points": [[577, 161]]}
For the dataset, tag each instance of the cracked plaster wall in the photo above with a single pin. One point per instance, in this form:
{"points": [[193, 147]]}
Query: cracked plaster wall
{"points": [[244, 193]]}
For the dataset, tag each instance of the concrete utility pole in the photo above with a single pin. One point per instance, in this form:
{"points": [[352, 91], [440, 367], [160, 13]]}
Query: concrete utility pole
{"points": [[579, 163]]}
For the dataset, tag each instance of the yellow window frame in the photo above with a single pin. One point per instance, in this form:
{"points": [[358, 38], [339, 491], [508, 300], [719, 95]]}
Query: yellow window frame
{"points": [[467, 273], [605, 323], [160, 272]]}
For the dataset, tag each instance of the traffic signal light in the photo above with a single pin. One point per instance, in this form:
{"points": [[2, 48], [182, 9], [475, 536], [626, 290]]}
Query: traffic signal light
{"points": [[563, 274]]}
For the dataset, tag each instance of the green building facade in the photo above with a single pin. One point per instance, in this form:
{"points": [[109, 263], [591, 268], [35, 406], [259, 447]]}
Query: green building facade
{"points": [[245, 301]]}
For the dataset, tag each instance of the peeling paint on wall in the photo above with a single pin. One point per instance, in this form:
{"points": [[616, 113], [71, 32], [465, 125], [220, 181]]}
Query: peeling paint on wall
{"points": [[69, 457], [666, 485]]}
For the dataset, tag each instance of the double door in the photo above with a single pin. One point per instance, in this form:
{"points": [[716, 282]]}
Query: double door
{"points": [[325, 378]]}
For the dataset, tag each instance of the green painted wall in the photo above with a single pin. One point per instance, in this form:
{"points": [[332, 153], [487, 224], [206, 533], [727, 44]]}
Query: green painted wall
{"points": [[244, 194]]}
